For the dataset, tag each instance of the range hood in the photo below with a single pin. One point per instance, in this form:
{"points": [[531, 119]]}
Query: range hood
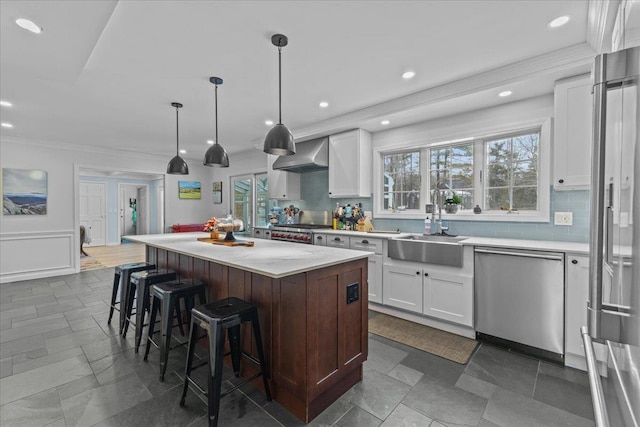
{"points": [[310, 155]]}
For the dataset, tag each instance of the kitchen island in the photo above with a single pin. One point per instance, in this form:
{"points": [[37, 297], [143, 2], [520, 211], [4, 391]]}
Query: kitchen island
{"points": [[315, 340]]}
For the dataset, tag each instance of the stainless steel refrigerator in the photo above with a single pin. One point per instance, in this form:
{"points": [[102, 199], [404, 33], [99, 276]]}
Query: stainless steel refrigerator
{"points": [[613, 311]]}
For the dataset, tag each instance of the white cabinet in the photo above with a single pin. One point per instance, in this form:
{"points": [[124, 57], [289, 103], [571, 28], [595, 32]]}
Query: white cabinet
{"points": [[338, 241], [577, 295], [320, 239], [375, 263], [572, 134], [375, 278], [402, 287], [350, 164], [282, 185], [448, 296], [261, 233]]}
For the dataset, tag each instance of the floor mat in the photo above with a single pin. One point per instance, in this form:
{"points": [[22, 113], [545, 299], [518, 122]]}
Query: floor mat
{"points": [[444, 344], [88, 263]]}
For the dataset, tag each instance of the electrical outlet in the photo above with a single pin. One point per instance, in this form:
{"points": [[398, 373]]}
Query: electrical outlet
{"points": [[563, 218]]}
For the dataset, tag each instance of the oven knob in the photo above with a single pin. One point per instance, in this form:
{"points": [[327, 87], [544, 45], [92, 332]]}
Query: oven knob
{"points": [[305, 238], [288, 236], [274, 234], [296, 237]]}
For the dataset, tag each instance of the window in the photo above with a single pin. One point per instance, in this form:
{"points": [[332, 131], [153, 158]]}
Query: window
{"points": [[501, 173], [251, 199], [451, 167], [512, 173], [402, 181]]}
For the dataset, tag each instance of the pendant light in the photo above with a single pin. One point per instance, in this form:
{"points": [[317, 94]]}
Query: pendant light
{"points": [[177, 165], [279, 140], [216, 156]]}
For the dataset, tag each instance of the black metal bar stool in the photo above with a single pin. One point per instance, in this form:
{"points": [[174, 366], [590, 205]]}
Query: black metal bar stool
{"points": [[121, 278], [216, 317], [139, 290], [165, 297]]}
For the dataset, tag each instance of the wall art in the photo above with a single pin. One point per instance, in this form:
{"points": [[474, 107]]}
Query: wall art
{"points": [[24, 191], [189, 190]]}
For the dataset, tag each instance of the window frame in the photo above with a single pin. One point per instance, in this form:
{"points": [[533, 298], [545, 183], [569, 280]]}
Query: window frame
{"points": [[542, 214]]}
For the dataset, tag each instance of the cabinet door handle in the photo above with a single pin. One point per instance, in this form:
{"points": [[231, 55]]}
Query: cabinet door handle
{"points": [[574, 261], [426, 274], [284, 195], [561, 181], [365, 242], [418, 273], [337, 239]]}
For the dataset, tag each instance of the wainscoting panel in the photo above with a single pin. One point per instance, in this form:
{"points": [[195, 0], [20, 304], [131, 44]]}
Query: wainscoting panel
{"points": [[36, 255]]}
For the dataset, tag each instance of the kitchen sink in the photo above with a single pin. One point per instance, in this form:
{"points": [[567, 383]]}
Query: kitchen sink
{"points": [[431, 249]]}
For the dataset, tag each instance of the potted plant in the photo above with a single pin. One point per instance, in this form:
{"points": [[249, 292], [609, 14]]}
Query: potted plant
{"points": [[451, 203], [212, 227]]}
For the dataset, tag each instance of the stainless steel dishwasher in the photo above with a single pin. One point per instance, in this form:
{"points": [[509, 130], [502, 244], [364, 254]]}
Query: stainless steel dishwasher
{"points": [[519, 300]]}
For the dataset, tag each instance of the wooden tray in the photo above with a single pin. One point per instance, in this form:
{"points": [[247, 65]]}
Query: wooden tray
{"points": [[225, 243]]}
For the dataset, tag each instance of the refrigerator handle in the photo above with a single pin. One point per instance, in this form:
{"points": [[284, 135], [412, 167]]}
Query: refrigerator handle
{"points": [[597, 245], [597, 395]]}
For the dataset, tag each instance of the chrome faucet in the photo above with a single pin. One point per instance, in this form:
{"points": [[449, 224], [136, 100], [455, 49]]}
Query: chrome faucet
{"points": [[441, 188]]}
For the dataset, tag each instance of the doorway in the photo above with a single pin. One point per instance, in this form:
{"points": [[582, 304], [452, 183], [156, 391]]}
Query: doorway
{"points": [[93, 211], [133, 209]]}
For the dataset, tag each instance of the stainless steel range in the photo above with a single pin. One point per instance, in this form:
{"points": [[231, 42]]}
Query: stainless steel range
{"points": [[296, 233]]}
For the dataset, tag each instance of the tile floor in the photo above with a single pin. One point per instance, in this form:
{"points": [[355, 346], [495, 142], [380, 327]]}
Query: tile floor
{"points": [[62, 365]]}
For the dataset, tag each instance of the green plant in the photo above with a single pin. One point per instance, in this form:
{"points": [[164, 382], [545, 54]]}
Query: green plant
{"points": [[453, 199]]}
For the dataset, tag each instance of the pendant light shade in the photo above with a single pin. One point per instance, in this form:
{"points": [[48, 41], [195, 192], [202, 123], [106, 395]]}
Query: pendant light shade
{"points": [[216, 156], [279, 140], [177, 165]]}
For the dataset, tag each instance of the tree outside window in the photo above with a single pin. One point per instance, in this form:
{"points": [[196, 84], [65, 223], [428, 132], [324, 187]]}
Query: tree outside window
{"points": [[453, 167], [402, 181]]}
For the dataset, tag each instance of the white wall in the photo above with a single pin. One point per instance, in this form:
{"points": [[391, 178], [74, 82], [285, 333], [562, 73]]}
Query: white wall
{"points": [[48, 245]]}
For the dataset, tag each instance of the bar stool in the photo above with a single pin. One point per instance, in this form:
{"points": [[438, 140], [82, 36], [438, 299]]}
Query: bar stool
{"points": [[166, 296], [122, 276], [216, 317], [139, 286]]}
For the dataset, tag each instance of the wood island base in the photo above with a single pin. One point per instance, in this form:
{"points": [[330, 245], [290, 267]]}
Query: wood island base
{"points": [[315, 341]]}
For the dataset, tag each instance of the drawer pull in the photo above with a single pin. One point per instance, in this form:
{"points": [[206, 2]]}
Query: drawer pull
{"points": [[319, 238], [365, 242], [337, 239], [426, 274], [574, 261], [418, 273]]}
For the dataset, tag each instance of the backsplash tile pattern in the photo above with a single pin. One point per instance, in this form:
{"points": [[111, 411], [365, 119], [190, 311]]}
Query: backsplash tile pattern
{"points": [[315, 196]]}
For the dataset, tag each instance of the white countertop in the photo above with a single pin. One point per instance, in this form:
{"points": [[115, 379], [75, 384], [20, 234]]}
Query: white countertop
{"points": [[536, 245], [267, 257]]}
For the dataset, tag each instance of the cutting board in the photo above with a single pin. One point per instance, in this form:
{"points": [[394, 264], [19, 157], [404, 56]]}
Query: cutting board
{"points": [[225, 243]]}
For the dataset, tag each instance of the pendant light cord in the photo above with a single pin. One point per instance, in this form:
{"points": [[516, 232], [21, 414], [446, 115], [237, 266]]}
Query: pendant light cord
{"points": [[216, 141], [279, 85], [177, 136]]}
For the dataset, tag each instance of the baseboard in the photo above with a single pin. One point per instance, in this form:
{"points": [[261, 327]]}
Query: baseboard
{"points": [[32, 275]]}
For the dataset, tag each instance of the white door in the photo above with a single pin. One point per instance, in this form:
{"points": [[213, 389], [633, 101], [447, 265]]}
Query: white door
{"points": [[93, 211], [143, 211]]}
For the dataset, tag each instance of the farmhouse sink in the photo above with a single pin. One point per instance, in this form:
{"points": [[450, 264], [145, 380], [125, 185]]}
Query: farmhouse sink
{"points": [[431, 249]]}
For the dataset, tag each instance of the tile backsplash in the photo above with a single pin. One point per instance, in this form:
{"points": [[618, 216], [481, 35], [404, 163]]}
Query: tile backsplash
{"points": [[315, 196]]}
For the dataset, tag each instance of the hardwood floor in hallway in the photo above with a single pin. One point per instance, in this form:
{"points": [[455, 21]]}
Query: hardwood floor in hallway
{"points": [[110, 256]]}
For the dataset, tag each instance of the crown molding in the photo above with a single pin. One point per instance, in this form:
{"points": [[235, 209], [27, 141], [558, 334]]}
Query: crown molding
{"points": [[567, 58], [58, 145]]}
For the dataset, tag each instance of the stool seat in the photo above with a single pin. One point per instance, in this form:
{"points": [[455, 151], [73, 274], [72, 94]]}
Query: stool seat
{"points": [[166, 298], [121, 278], [141, 282], [216, 318]]}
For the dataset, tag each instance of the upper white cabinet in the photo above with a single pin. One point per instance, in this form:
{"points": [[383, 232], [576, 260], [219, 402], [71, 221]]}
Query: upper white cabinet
{"points": [[572, 137], [282, 185], [350, 164]]}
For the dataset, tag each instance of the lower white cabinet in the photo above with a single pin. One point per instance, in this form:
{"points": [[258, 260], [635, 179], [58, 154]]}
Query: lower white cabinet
{"points": [[577, 295], [402, 287], [375, 278], [436, 291], [337, 241], [448, 297]]}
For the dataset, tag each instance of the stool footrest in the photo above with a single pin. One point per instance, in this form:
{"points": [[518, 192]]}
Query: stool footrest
{"points": [[242, 383]]}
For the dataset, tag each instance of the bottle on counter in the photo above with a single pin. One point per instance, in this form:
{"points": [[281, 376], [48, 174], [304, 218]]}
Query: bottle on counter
{"points": [[427, 225]]}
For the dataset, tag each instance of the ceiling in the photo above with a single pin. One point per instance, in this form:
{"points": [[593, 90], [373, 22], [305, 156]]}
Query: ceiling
{"points": [[103, 73]]}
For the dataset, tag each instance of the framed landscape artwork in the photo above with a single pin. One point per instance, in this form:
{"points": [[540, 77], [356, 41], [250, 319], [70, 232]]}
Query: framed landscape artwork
{"points": [[189, 190], [24, 191]]}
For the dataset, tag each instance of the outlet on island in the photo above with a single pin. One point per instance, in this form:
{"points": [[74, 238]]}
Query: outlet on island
{"points": [[353, 293]]}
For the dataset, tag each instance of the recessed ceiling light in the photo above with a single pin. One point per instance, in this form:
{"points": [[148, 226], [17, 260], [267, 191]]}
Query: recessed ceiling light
{"points": [[408, 75], [6, 125], [558, 22], [210, 142], [29, 25], [268, 122], [385, 122], [505, 93], [183, 151], [324, 104], [6, 103]]}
